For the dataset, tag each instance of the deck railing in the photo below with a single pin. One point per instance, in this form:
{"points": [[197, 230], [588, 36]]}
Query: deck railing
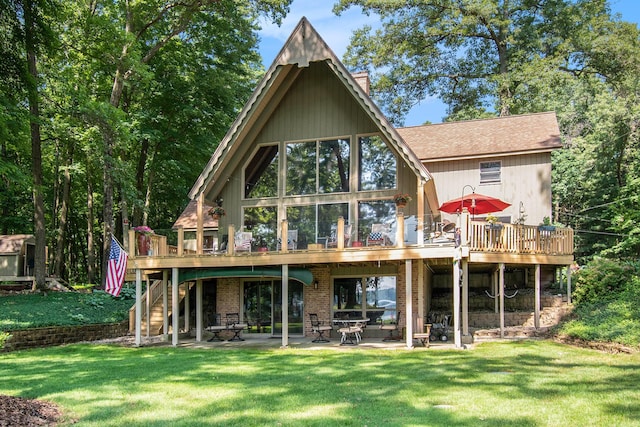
{"points": [[482, 237]]}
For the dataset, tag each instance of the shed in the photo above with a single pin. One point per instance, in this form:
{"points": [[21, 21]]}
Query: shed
{"points": [[17, 255]]}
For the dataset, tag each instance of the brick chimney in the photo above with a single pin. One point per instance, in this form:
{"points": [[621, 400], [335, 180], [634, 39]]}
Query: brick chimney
{"points": [[362, 78]]}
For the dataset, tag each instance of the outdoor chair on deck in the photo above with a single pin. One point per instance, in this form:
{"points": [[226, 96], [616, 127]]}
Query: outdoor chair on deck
{"points": [[243, 241], [234, 325], [332, 241], [392, 327], [378, 235], [215, 326], [318, 327], [292, 240]]}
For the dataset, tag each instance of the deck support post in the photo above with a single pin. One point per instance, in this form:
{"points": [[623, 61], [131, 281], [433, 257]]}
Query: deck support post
{"points": [[138, 338], [408, 324], [456, 304], [165, 305], [199, 310], [536, 309], [175, 308], [568, 284], [285, 302], [501, 289]]}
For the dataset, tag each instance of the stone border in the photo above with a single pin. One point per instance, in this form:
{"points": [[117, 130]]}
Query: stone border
{"points": [[59, 335]]}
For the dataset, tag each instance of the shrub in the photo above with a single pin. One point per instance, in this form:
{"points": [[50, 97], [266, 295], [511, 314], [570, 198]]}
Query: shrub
{"points": [[4, 336], [602, 279]]}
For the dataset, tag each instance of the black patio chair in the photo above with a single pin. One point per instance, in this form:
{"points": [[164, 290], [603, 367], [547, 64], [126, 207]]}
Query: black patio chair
{"points": [[318, 327], [234, 325], [215, 326]]}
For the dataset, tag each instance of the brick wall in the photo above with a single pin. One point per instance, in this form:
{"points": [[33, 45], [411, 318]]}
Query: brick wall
{"points": [[46, 337]]}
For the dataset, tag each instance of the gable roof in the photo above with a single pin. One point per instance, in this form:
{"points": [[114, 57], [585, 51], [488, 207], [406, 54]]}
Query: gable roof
{"points": [[303, 46], [509, 135], [188, 219]]}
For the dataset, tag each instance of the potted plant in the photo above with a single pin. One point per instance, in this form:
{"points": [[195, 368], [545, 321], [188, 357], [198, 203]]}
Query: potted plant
{"points": [[401, 199], [546, 225], [493, 222], [144, 233], [216, 212]]}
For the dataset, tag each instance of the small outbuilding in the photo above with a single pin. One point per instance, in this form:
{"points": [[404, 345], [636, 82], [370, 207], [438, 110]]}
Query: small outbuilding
{"points": [[17, 255]]}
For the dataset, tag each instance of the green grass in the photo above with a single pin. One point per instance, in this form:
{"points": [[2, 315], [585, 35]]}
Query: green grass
{"points": [[26, 311], [531, 383]]}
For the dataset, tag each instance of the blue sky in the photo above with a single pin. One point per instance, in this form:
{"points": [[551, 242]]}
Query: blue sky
{"points": [[337, 30]]}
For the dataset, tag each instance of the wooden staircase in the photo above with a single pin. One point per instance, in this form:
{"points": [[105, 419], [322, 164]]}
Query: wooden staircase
{"points": [[155, 312]]}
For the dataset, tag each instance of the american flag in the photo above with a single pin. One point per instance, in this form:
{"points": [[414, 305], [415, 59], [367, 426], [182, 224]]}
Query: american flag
{"points": [[116, 268]]}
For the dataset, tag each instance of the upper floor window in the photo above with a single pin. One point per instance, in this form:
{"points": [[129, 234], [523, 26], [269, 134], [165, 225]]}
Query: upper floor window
{"points": [[490, 172], [378, 165], [261, 173], [318, 167]]}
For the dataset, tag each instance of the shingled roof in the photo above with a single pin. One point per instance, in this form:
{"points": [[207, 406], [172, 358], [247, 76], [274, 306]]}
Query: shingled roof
{"points": [[189, 217], [488, 137]]}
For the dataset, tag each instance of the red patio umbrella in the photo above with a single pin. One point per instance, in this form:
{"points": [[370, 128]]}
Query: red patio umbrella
{"points": [[476, 203]]}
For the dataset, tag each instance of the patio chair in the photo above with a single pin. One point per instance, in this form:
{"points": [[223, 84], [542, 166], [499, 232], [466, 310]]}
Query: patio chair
{"points": [[215, 326], [243, 241], [351, 333], [234, 325], [392, 327], [378, 235], [318, 327], [292, 240], [332, 241]]}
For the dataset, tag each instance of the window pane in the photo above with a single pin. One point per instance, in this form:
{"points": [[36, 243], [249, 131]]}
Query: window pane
{"points": [[347, 297], [490, 172], [374, 212], [263, 223], [303, 219], [261, 173], [378, 165], [328, 217], [333, 166], [381, 299], [301, 168]]}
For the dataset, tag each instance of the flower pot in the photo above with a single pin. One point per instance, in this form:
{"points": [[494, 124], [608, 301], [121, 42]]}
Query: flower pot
{"points": [[546, 227], [215, 216], [401, 205], [143, 244], [494, 227]]}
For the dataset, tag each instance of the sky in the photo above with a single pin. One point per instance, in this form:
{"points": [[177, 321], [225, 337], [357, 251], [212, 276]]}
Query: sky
{"points": [[337, 30]]}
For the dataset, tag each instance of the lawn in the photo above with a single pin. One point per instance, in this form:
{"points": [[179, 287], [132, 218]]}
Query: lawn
{"points": [[530, 383], [37, 310]]}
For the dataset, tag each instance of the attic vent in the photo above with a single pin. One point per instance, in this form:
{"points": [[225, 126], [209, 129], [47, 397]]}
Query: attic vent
{"points": [[362, 78]]}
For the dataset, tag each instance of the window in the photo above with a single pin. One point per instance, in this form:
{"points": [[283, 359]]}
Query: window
{"points": [[262, 222], [318, 167], [374, 212], [314, 222], [378, 165], [373, 297], [490, 172], [261, 173]]}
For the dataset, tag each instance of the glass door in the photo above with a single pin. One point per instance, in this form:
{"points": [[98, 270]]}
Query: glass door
{"points": [[257, 305], [295, 307]]}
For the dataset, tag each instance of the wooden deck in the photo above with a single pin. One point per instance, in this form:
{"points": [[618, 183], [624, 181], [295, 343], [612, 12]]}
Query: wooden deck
{"points": [[506, 243]]}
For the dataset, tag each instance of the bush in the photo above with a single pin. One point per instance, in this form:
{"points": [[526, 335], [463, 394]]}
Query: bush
{"points": [[602, 279]]}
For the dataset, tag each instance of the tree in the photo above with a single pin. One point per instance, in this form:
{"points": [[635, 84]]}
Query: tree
{"points": [[475, 55]]}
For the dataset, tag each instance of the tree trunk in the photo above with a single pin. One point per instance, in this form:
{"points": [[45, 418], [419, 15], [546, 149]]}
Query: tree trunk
{"points": [[62, 218], [91, 258], [36, 147]]}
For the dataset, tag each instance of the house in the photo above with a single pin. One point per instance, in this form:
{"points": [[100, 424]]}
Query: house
{"points": [[309, 174], [505, 157]]}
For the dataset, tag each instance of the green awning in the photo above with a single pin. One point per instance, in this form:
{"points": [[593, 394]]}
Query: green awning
{"points": [[300, 274]]}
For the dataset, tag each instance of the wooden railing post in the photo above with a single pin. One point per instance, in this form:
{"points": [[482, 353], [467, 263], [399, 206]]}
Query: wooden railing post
{"points": [[231, 244], [340, 233], [284, 236], [180, 240], [400, 230]]}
